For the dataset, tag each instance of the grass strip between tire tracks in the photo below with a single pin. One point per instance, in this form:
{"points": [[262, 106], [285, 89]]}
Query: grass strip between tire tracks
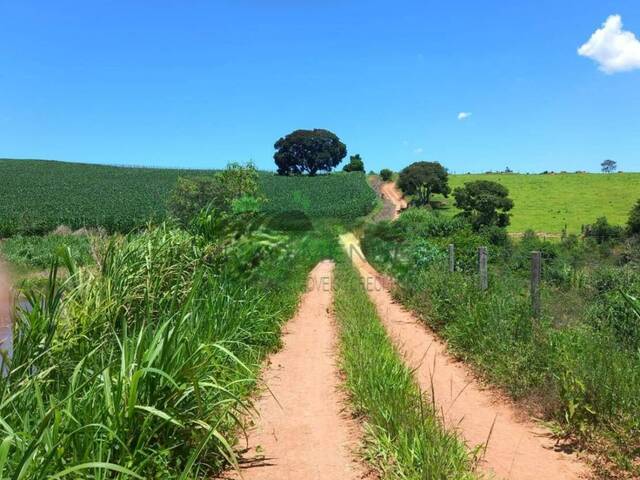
{"points": [[404, 438]]}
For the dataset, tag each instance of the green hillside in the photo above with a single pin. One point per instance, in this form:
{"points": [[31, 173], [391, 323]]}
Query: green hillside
{"points": [[38, 195], [546, 203]]}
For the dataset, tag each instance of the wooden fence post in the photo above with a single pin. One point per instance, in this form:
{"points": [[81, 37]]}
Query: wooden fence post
{"points": [[452, 258], [536, 275], [482, 268]]}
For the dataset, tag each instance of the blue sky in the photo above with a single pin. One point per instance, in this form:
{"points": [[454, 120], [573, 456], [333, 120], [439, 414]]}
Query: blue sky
{"points": [[201, 83]]}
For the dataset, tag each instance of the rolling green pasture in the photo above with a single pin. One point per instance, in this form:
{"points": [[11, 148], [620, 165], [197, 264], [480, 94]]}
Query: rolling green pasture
{"points": [[546, 203], [38, 195]]}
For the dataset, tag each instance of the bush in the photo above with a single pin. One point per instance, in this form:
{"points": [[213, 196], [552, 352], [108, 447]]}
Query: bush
{"points": [[355, 164], [634, 219], [386, 174], [420, 222], [602, 231], [220, 191], [484, 203]]}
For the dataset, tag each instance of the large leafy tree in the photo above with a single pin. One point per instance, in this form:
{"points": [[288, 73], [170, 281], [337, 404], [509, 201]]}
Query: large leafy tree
{"points": [[484, 203], [422, 179], [308, 151]]}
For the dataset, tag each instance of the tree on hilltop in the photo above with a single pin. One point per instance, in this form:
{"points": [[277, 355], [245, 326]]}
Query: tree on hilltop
{"points": [[308, 151], [608, 166], [422, 179]]}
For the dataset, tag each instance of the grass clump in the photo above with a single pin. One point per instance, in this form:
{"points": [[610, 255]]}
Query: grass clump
{"points": [[141, 368], [404, 437], [38, 252]]}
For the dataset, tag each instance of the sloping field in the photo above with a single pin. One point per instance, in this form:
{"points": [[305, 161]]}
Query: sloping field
{"points": [[38, 195], [546, 203]]}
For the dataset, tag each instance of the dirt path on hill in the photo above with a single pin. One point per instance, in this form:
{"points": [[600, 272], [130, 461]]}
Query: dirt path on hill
{"points": [[302, 432], [393, 193], [517, 449]]}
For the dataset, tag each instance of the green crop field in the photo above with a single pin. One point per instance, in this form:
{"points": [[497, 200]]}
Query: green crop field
{"points": [[339, 195], [37, 195], [546, 203]]}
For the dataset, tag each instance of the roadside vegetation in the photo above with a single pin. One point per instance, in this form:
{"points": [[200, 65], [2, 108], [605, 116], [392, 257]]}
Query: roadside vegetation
{"points": [[577, 365], [38, 252], [141, 365], [137, 354], [405, 439]]}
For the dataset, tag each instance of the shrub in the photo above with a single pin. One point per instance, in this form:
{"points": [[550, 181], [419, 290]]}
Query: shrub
{"points": [[602, 231], [386, 174], [420, 222], [484, 203], [634, 219], [355, 164], [219, 191]]}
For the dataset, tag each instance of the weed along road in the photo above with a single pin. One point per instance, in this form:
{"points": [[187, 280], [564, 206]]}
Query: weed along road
{"points": [[302, 431], [509, 448]]}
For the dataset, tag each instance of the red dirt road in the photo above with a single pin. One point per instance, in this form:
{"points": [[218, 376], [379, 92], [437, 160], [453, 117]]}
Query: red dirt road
{"points": [[302, 433], [392, 193], [517, 449]]}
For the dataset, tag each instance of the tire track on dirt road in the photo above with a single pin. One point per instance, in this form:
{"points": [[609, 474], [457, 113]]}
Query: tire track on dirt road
{"points": [[516, 449], [302, 432]]}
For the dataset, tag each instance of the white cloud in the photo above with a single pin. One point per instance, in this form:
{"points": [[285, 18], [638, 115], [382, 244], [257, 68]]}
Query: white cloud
{"points": [[418, 150], [614, 49], [464, 115]]}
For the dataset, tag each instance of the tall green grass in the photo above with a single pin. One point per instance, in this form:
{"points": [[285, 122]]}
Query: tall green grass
{"points": [[404, 437], [39, 251], [142, 369], [580, 375], [577, 365]]}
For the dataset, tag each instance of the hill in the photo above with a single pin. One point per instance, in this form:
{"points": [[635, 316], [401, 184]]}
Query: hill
{"points": [[38, 195], [546, 203]]}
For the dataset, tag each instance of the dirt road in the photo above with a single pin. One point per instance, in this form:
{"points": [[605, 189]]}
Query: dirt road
{"points": [[517, 449], [393, 193], [302, 432]]}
